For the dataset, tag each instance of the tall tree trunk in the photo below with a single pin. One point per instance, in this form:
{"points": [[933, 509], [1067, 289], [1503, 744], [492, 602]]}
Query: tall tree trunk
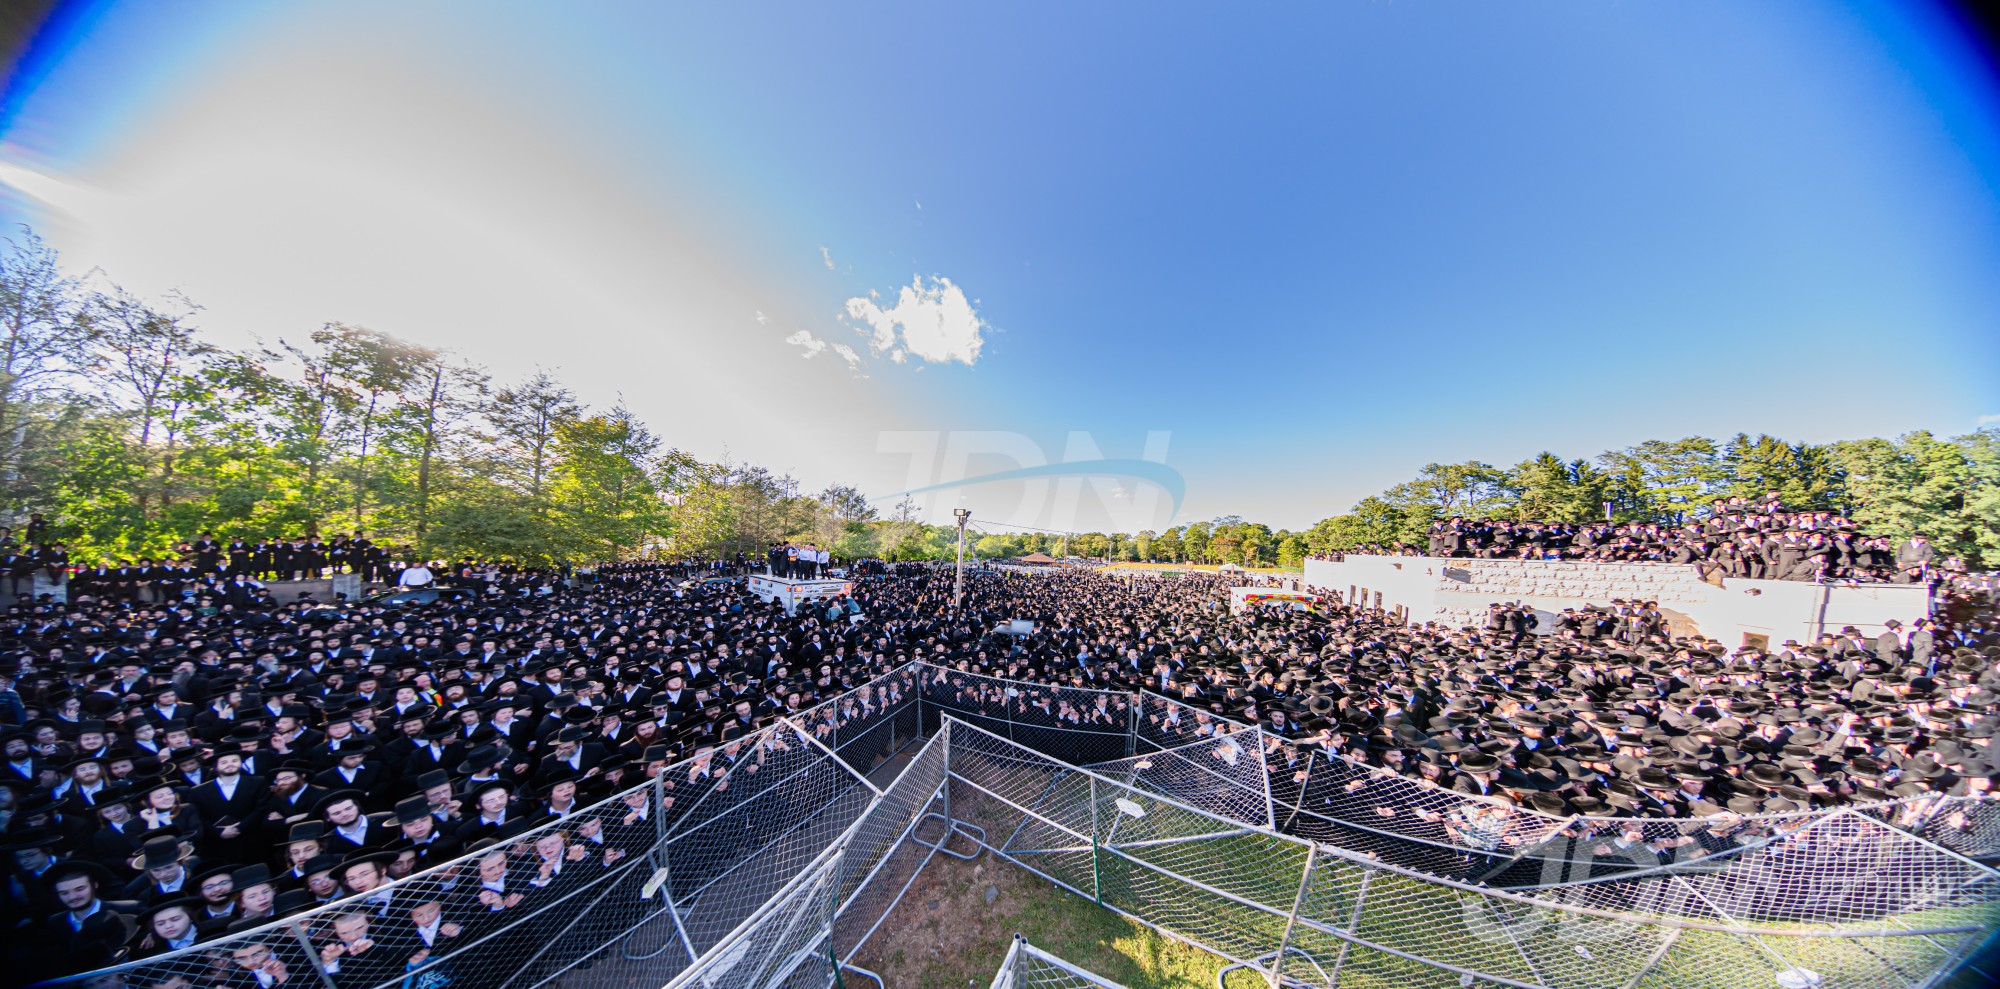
{"points": [[361, 461], [424, 458]]}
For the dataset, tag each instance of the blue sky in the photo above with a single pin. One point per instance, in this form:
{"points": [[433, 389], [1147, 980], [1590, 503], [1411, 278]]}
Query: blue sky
{"points": [[1315, 245]]}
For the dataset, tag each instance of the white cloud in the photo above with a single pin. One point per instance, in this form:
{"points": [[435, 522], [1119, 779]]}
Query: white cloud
{"points": [[1984, 421], [761, 318], [827, 256], [812, 344], [933, 322]]}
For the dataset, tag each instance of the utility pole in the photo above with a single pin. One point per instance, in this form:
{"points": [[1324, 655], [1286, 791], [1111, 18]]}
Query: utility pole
{"points": [[958, 580]]}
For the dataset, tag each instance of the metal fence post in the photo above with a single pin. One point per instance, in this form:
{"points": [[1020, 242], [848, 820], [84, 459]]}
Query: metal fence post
{"points": [[1299, 804], [1096, 873], [312, 956], [1353, 919], [658, 798], [1132, 725], [944, 728], [1291, 919]]}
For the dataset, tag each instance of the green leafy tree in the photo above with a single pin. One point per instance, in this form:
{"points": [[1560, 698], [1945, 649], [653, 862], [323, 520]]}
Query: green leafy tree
{"points": [[1921, 484], [1661, 480], [1195, 540], [1803, 474], [1548, 488], [601, 491]]}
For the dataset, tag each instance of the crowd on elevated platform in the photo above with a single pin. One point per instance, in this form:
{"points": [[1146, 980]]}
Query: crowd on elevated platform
{"points": [[1737, 537]]}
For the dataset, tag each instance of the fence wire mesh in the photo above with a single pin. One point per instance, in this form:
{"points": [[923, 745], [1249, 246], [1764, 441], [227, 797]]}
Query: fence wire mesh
{"points": [[1029, 967], [634, 889], [1075, 724], [1311, 915], [1222, 773], [1419, 825]]}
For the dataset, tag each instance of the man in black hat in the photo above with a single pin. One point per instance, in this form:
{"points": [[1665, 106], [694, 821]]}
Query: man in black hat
{"points": [[120, 832], [168, 926], [228, 805], [349, 828], [353, 769], [354, 957], [216, 890], [423, 837], [166, 875], [436, 748], [574, 755], [492, 807], [1889, 645], [256, 894], [291, 796]]}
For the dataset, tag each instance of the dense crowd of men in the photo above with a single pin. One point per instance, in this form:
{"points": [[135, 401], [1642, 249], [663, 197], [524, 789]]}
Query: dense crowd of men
{"points": [[202, 566], [189, 766], [1737, 537]]}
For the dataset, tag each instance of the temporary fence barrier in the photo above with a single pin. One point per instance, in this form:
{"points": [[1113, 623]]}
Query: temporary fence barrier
{"points": [[1029, 967], [1414, 823], [636, 887], [1305, 914]]}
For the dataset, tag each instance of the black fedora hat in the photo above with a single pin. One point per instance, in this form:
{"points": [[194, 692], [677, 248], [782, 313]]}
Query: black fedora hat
{"points": [[481, 757]]}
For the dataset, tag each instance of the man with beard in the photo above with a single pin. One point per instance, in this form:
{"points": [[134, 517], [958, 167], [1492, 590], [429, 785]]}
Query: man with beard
{"points": [[348, 829], [228, 805], [291, 798]]}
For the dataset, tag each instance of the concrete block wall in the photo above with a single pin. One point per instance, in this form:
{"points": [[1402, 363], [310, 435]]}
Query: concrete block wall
{"points": [[1509, 579]]}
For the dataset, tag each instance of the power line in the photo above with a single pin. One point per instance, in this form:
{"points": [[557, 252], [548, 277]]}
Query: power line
{"points": [[1031, 528]]}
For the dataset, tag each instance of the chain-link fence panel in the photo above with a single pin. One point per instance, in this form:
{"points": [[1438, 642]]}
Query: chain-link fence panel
{"points": [[1967, 825], [1029, 967], [1843, 870], [631, 889], [804, 930], [526, 907], [1321, 916], [869, 724], [1074, 724], [777, 805], [1223, 774], [769, 860], [788, 933], [1166, 723], [890, 846], [1331, 798]]}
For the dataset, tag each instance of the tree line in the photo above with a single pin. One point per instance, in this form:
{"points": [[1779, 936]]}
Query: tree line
{"points": [[133, 434], [1946, 489]]}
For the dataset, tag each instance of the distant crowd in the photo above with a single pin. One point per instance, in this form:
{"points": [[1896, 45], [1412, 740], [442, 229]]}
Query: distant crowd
{"points": [[1739, 538]]}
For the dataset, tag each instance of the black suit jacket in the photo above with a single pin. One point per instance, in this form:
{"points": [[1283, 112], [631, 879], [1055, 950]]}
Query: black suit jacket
{"points": [[217, 809]]}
